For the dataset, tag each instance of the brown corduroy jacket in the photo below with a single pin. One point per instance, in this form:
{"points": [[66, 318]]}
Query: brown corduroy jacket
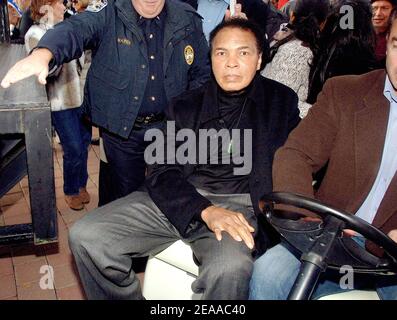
{"points": [[347, 127]]}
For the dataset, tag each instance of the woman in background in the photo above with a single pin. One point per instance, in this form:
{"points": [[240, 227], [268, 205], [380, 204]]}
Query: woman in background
{"points": [[291, 56], [343, 49], [63, 91], [80, 5]]}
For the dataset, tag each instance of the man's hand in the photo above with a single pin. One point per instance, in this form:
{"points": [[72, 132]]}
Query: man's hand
{"points": [[238, 14], [351, 233], [393, 235], [220, 219], [346, 232], [310, 219], [34, 64]]}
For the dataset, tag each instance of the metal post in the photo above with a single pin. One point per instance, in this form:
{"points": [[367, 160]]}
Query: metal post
{"points": [[4, 23]]}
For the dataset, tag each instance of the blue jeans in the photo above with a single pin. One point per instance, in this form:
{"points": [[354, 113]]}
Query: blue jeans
{"points": [[75, 136], [275, 273]]}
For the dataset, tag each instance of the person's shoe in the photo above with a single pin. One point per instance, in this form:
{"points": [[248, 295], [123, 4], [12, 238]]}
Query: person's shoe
{"points": [[74, 202], [84, 195]]}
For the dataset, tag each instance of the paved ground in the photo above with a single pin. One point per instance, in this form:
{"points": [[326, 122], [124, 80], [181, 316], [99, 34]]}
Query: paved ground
{"points": [[20, 265]]}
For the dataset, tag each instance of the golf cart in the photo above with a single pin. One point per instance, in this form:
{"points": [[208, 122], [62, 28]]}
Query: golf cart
{"points": [[321, 243]]}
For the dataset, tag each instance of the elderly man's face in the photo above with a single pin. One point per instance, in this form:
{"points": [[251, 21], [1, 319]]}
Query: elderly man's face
{"points": [[391, 55], [380, 15], [148, 8], [235, 58]]}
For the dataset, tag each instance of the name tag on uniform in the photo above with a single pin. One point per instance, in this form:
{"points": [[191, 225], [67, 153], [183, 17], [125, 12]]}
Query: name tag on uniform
{"points": [[124, 41]]}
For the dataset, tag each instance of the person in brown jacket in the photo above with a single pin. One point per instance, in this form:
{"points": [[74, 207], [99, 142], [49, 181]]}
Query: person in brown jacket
{"points": [[353, 128]]}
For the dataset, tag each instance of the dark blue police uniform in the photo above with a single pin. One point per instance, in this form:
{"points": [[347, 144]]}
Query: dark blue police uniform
{"points": [[138, 65]]}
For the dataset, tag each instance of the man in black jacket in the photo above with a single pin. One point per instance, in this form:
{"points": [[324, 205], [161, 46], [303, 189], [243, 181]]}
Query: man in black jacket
{"points": [[205, 182]]}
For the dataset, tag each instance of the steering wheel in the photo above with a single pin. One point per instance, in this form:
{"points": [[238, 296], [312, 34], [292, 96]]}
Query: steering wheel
{"points": [[321, 243]]}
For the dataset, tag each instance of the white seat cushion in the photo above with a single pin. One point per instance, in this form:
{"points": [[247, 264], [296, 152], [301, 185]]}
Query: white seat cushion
{"points": [[353, 295], [169, 274], [180, 255]]}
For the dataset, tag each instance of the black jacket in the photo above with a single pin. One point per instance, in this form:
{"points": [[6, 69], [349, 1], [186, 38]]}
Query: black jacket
{"points": [[274, 107]]}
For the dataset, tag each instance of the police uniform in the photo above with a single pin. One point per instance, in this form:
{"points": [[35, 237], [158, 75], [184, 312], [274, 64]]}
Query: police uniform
{"points": [[126, 91]]}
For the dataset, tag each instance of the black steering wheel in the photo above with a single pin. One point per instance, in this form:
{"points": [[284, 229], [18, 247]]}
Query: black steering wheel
{"points": [[321, 243]]}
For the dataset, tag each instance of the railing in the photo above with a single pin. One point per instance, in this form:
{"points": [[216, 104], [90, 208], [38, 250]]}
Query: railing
{"points": [[4, 22], [25, 110]]}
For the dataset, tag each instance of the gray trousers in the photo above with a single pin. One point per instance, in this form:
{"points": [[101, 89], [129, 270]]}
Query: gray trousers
{"points": [[104, 241]]}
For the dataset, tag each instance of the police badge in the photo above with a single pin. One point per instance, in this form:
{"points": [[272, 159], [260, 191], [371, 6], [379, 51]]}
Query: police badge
{"points": [[96, 5], [189, 54]]}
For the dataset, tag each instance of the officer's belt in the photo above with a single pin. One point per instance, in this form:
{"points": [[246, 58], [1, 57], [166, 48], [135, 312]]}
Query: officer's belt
{"points": [[151, 118]]}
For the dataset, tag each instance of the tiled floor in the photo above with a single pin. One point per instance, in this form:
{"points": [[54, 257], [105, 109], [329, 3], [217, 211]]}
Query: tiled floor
{"points": [[25, 270]]}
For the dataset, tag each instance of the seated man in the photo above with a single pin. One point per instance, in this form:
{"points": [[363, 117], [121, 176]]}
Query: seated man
{"points": [[209, 203], [353, 127]]}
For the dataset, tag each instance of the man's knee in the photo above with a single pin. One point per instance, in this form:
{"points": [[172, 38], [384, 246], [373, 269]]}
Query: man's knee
{"points": [[227, 280], [264, 280], [235, 269], [274, 274], [81, 234]]}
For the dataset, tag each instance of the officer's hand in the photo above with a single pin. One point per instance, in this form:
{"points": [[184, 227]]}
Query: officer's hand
{"points": [[238, 13], [220, 219], [34, 64]]}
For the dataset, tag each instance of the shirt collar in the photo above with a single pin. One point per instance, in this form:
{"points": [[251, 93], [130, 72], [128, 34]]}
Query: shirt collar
{"points": [[158, 19], [209, 111], [388, 91]]}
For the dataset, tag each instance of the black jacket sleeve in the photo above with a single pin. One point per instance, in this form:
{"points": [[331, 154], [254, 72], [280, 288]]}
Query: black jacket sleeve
{"points": [[167, 184], [201, 69]]}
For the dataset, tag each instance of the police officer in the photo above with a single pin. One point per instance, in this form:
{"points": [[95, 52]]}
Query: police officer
{"points": [[144, 53]]}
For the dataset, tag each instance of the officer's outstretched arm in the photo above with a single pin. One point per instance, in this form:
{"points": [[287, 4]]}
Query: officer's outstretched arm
{"points": [[35, 64]]}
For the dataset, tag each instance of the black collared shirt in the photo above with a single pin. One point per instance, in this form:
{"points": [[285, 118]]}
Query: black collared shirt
{"points": [[154, 99]]}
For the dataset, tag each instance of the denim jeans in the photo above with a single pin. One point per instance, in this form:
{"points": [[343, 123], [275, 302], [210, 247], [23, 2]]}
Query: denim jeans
{"points": [[75, 136], [275, 273]]}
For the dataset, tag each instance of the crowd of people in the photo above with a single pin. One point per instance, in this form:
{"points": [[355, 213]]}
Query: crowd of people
{"points": [[287, 89]]}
